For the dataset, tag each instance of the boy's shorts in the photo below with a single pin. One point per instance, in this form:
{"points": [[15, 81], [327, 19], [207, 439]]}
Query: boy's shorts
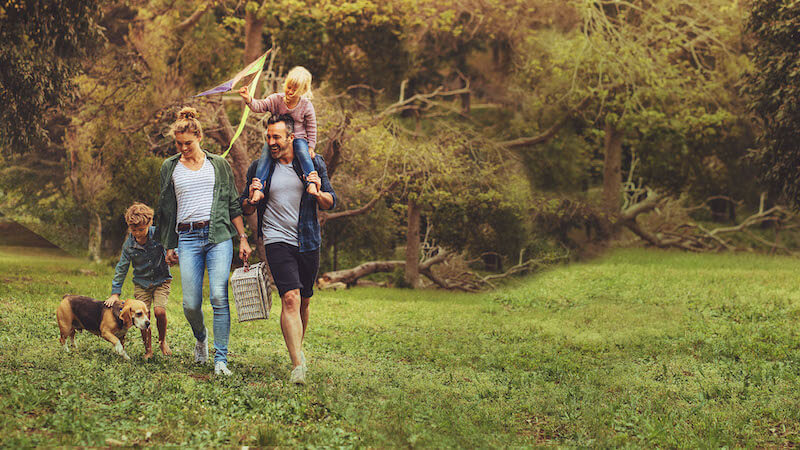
{"points": [[156, 295]]}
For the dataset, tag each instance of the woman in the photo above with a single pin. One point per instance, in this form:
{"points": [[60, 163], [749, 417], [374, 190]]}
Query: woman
{"points": [[199, 213]]}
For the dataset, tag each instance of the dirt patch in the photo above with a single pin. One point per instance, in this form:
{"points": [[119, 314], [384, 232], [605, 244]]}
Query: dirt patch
{"points": [[200, 377]]}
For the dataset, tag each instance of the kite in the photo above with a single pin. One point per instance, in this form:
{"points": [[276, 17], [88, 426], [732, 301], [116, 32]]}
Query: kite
{"points": [[255, 67]]}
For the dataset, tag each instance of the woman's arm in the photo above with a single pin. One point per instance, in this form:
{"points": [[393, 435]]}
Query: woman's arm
{"points": [[244, 245]]}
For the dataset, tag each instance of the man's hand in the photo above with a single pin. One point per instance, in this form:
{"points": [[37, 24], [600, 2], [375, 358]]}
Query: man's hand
{"points": [[245, 95], [313, 177], [244, 249], [255, 191], [172, 257], [312, 153], [110, 301]]}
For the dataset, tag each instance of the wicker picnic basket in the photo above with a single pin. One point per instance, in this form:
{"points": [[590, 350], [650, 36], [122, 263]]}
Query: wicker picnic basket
{"points": [[251, 292]]}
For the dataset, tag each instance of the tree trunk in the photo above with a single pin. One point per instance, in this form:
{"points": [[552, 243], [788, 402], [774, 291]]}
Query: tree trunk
{"points": [[335, 252], [412, 245], [240, 161], [612, 169], [95, 236], [253, 42]]}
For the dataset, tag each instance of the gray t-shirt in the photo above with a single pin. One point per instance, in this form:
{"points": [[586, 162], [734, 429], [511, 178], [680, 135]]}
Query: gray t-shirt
{"points": [[283, 207]]}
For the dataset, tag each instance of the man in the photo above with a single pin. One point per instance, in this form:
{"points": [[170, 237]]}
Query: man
{"points": [[287, 221]]}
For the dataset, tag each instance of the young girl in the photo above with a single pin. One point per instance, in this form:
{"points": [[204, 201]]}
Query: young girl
{"points": [[295, 101]]}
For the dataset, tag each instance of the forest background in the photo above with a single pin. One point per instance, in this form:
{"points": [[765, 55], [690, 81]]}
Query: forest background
{"points": [[463, 137]]}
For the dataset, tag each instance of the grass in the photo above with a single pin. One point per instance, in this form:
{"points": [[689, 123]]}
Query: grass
{"points": [[640, 348]]}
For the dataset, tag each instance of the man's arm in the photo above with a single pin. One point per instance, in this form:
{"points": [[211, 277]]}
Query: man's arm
{"points": [[326, 197]]}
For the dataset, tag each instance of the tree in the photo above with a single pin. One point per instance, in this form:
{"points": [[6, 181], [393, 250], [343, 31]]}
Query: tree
{"points": [[774, 87], [42, 46]]}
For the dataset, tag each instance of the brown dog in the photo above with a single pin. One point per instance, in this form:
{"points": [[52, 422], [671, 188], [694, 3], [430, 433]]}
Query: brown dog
{"points": [[76, 312]]}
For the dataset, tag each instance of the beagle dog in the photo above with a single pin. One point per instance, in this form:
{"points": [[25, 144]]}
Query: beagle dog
{"points": [[76, 312]]}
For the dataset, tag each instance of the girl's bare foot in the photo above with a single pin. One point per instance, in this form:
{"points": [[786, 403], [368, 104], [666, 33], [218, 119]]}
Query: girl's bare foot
{"points": [[165, 348]]}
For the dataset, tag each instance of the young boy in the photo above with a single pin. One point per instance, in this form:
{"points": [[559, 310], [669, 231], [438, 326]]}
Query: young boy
{"points": [[151, 278]]}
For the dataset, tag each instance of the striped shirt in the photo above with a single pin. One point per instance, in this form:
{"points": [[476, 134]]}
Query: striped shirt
{"points": [[305, 119], [194, 190]]}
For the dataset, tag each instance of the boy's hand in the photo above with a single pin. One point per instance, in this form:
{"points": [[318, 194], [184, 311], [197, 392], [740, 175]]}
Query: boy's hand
{"points": [[312, 153], [245, 96], [171, 257], [110, 301]]}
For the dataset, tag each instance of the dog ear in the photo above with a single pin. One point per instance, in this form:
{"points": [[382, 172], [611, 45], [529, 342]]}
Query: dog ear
{"points": [[125, 315]]}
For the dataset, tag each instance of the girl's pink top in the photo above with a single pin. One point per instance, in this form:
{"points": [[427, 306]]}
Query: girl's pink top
{"points": [[305, 119]]}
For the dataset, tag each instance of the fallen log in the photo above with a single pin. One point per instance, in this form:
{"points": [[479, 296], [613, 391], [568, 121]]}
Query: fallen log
{"points": [[350, 276]]}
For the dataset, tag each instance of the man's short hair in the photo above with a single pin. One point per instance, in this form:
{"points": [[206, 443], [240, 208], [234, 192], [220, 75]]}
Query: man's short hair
{"points": [[139, 214], [285, 118]]}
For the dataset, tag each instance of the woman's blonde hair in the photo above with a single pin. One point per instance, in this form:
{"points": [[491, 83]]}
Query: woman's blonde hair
{"points": [[138, 214], [300, 77], [187, 122]]}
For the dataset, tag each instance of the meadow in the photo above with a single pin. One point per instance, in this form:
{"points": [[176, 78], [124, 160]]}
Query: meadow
{"points": [[636, 348]]}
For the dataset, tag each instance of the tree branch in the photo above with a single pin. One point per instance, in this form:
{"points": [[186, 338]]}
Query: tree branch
{"points": [[194, 18], [324, 217], [549, 133]]}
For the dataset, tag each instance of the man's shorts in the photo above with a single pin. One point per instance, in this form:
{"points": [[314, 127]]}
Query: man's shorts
{"points": [[292, 269], [156, 295]]}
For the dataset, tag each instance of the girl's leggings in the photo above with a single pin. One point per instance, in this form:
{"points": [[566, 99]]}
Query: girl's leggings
{"points": [[302, 155]]}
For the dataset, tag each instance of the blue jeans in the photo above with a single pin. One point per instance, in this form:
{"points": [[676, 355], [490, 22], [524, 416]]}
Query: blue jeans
{"points": [[196, 255], [300, 147]]}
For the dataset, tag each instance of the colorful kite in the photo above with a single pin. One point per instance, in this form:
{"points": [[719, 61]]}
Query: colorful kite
{"points": [[255, 67]]}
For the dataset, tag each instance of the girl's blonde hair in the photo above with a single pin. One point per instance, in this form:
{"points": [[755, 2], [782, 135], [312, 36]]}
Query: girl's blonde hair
{"points": [[187, 122], [139, 214], [300, 77]]}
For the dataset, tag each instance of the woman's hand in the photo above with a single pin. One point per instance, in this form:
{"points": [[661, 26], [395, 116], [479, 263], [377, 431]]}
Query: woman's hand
{"points": [[171, 257], [245, 95], [244, 248]]}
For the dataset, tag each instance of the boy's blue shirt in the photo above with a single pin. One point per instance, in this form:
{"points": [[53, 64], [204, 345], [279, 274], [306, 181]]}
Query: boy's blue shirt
{"points": [[149, 264]]}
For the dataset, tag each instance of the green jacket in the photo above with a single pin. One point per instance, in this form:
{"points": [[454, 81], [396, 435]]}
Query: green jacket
{"points": [[224, 207]]}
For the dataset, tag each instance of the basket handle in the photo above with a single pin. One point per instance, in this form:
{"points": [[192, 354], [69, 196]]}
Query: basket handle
{"points": [[246, 265]]}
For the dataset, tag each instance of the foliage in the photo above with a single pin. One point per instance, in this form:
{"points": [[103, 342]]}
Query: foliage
{"points": [[774, 86], [664, 73], [43, 43], [642, 348]]}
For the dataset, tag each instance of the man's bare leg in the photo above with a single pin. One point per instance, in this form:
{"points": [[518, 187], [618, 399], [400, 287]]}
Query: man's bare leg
{"points": [[304, 316], [291, 324]]}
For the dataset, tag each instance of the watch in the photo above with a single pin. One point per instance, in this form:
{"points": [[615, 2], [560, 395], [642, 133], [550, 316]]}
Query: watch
{"points": [[242, 236]]}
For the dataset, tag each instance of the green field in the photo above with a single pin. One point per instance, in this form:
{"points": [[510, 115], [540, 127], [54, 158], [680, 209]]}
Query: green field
{"points": [[639, 348]]}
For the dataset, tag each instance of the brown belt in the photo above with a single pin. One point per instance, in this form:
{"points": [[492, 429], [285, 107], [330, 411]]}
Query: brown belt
{"points": [[192, 226]]}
